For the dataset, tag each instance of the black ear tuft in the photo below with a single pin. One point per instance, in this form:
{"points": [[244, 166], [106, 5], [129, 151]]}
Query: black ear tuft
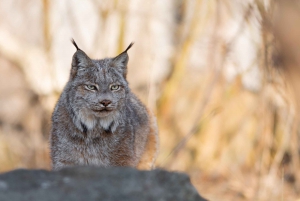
{"points": [[130, 45], [120, 61], [74, 43]]}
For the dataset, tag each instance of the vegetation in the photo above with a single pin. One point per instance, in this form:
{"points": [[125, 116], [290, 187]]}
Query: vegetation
{"points": [[221, 76]]}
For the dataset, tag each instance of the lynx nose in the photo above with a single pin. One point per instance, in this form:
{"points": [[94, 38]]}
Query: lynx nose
{"points": [[105, 103]]}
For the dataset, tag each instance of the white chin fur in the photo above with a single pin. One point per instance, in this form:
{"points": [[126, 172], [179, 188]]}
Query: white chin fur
{"points": [[90, 121], [87, 119], [105, 122]]}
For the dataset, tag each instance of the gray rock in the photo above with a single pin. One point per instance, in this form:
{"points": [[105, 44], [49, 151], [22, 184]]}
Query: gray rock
{"points": [[91, 183]]}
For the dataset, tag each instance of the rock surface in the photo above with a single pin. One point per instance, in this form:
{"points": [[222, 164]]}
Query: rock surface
{"points": [[91, 183]]}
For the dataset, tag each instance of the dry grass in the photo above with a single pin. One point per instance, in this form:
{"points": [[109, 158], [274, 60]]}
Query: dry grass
{"points": [[237, 143]]}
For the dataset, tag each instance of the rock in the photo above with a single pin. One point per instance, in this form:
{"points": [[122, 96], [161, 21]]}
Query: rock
{"points": [[92, 183]]}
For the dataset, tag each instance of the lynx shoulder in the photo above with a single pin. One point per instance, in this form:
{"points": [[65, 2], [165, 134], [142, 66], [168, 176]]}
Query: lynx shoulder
{"points": [[98, 120]]}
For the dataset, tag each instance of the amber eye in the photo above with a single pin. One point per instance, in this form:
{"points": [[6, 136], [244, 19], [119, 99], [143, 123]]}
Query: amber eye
{"points": [[91, 87], [114, 87]]}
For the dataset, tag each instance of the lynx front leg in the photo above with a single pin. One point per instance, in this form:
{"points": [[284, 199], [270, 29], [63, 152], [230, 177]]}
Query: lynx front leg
{"points": [[59, 164], [60, 159], [151, 151]]}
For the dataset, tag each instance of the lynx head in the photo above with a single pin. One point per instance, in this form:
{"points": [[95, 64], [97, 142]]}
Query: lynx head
{"points": [[97, 88]]}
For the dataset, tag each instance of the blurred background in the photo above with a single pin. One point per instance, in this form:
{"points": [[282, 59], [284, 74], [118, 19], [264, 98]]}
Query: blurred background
{"points": [[222, 77]]}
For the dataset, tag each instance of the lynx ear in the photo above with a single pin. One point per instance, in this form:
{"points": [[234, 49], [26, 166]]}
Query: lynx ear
{"points": [[80, 60], [121, 60]]}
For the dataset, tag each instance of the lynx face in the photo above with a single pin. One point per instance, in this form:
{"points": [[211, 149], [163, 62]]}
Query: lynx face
{"points": [[97, 89], [100, 89]]}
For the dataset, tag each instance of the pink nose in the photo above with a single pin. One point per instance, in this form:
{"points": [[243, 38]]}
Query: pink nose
{"points": [[105, 102]]}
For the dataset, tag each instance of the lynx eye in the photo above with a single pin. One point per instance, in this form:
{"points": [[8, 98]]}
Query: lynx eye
{"points": [[91, 87], [114, 87]]}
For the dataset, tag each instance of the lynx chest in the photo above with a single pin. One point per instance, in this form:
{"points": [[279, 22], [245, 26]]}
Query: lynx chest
{"points": [[104, 150]]}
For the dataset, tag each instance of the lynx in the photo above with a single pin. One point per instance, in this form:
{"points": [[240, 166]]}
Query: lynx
{"points": [[98, 120]]}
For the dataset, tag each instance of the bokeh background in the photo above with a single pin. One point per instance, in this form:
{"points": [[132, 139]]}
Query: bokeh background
{"points": [[222, 77]]}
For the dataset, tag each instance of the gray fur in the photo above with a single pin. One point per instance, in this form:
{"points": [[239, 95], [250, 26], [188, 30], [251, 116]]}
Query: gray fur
{"points": [[83, 133]]}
